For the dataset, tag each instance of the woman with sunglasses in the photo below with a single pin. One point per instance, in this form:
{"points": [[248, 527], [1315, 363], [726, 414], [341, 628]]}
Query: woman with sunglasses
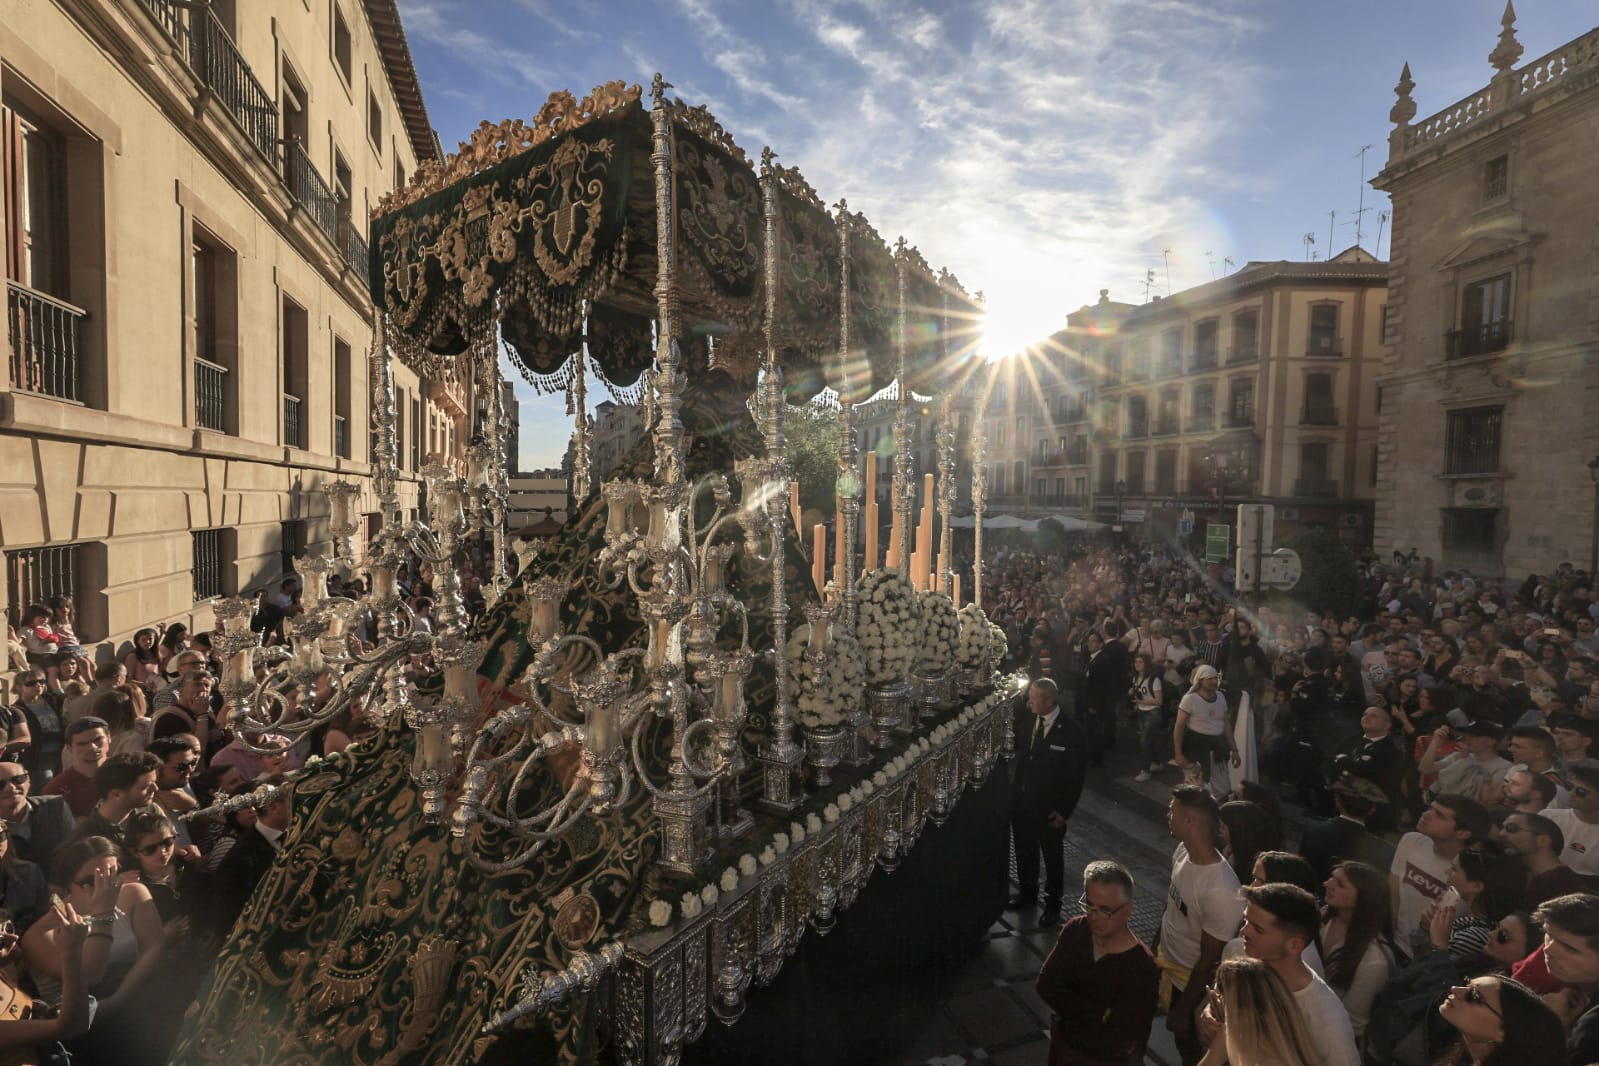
{"points": [[153, 842], [1488, 885], [1501, 1022], [42, 755], [1357, 936]]}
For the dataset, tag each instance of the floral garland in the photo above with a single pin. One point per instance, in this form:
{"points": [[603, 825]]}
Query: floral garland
{"points": [[940, 628], [825, 700], [997, 645], [890, 626], [972, 652], [751, 864]]}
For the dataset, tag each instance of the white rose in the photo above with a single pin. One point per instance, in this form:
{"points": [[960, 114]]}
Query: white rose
{"points": [[768, 856], [796, 832], [691, 904], [780, 842], [845, 803], [729, 879], [660, 913], [746, 865], [867, 788], [813, 823], [830, 812], [709, 895]]}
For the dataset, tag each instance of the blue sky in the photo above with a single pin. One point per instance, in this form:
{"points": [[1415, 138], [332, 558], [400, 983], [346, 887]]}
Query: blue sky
{"points": [[1039, 149]]}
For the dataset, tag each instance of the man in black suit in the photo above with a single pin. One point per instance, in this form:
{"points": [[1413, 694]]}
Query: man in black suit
{"points": [[1105, 679], [249, 860], [1329, 842], [1051, 763]]}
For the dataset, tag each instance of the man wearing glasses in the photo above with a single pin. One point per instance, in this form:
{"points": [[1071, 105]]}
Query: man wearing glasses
{"points": [[1580, 821], [1100, 979], [37, 824]]}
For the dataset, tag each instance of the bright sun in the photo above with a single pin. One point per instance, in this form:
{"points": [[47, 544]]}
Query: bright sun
{"points": [[1018, 316]]}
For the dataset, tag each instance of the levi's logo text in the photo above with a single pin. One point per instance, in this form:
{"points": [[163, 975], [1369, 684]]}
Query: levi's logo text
{"points": [[1423, 882]]}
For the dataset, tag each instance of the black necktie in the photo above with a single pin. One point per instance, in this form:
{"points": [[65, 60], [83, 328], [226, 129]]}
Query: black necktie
{"points": [[1038, 735]]}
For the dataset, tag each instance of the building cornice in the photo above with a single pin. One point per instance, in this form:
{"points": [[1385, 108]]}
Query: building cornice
{"points": [[384, 17]]}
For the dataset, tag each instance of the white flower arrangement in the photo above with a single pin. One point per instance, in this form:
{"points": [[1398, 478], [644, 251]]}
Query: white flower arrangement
{"points": [[997, 645], [768, 856], [709, 895], [729, 879], [691, 904], [940, 632], [813, 824], [796, 833], [867, 788], [830, 813], [973, 646], [660, 913], [880, 779], [746, 865], [890, 626], [827, 699], [845, 803], [780, 843]]}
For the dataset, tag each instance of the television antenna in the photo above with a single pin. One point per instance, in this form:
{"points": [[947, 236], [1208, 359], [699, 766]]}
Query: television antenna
{"points": [[1226, 265], [1165, 253], [1382, 217], [1149, 283], [1361, 208], [1211, 259], [1309, 240], [1332, 219]]}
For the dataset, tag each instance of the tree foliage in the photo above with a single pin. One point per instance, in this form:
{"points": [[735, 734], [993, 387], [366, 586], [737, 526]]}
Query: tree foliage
{"points": [[810, 438], [1051, 536]]}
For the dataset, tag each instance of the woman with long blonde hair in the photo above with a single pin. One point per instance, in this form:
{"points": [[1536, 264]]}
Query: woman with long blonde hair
{"points": [[1261, 1023]]}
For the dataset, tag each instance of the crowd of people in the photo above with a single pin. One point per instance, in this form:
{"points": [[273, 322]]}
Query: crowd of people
{"points": [[1432, 750], [118, 885]]}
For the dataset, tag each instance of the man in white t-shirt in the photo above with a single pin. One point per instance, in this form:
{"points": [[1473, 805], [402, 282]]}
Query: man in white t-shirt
{"points": [[1279, 921], [1202, 914], [1420, 873], [1580, 822]]}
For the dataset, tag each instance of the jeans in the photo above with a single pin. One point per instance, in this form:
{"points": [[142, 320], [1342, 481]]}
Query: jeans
{"points": [[1152, 723]]}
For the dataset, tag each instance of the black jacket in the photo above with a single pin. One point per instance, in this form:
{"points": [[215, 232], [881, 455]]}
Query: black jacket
{"points": [[234, 881], [1334, 840], [1050, 777]]}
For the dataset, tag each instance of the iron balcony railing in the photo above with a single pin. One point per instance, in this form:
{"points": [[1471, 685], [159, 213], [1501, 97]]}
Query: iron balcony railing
{"points": [[1165, 427], [1239, 420], [1205, 359], [1315, 487], [1485, 339], [1320, 415], [170, 19], [216, 59], [210, 395], [1243, 353], [353, 246], [291, 422], [306, 186], [1198, 422], [341, 436], [1324, 346], [1138, 428], [46, 337]]}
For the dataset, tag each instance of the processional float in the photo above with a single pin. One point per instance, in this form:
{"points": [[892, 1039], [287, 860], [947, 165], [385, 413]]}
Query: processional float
{"points": [[593, 812]]}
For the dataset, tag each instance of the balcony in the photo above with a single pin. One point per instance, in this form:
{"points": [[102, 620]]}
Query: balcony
{"points": [[210, 395], [216, 60], [1324, 346], [291, 422], [46, 337], [306, 185], [1315, 487], [353, 246], [1204, 360], [1319, 415], [1166, 427], [1201, 422], [1243, 353], [1485, 339], [1136, 429], [1063, 500], [1239, 420]]}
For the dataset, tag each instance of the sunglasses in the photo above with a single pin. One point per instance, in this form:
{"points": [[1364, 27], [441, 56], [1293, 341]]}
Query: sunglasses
{"points": [[1475, 998], [160, 845], [187, 766], [1090, 909], [29, 684], [16, 781]]}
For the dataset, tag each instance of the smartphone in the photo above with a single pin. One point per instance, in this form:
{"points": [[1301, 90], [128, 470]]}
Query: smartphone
{"points": [[1551, 632], [1450, 898]]}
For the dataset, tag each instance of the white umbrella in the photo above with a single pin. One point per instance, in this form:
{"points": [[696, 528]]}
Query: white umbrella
{"points": [[1008, 521]]}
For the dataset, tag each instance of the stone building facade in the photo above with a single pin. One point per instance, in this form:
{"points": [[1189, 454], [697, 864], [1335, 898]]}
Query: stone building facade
{"points": [[187, 189], [1490, 388]]}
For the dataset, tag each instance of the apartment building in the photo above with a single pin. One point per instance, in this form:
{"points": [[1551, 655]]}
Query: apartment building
{"points": [[1256, 387], [186, 189], [1490, 414]]}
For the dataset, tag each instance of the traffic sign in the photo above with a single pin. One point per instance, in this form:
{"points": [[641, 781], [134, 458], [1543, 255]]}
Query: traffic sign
{"points": [[1281, 569], [1218, 539], [1185, 524]]}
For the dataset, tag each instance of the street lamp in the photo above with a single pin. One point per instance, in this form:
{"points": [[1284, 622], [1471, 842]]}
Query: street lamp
{"points": [[1593, 554]]}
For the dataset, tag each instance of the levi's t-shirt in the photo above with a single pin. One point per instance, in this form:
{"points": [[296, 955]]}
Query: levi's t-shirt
{"points": [[1423, 878], [1200, 899]]}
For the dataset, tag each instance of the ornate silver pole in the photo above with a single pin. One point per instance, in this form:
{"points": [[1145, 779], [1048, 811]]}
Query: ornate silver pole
{"points": [[781, 757], [946, 448], [904, 476], [581, 474], [389, 549], [681, 808], [849, 476], [979, 495]]}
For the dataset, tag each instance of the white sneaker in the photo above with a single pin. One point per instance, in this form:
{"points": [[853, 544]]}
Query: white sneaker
{"points": [[1141, 776]]}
